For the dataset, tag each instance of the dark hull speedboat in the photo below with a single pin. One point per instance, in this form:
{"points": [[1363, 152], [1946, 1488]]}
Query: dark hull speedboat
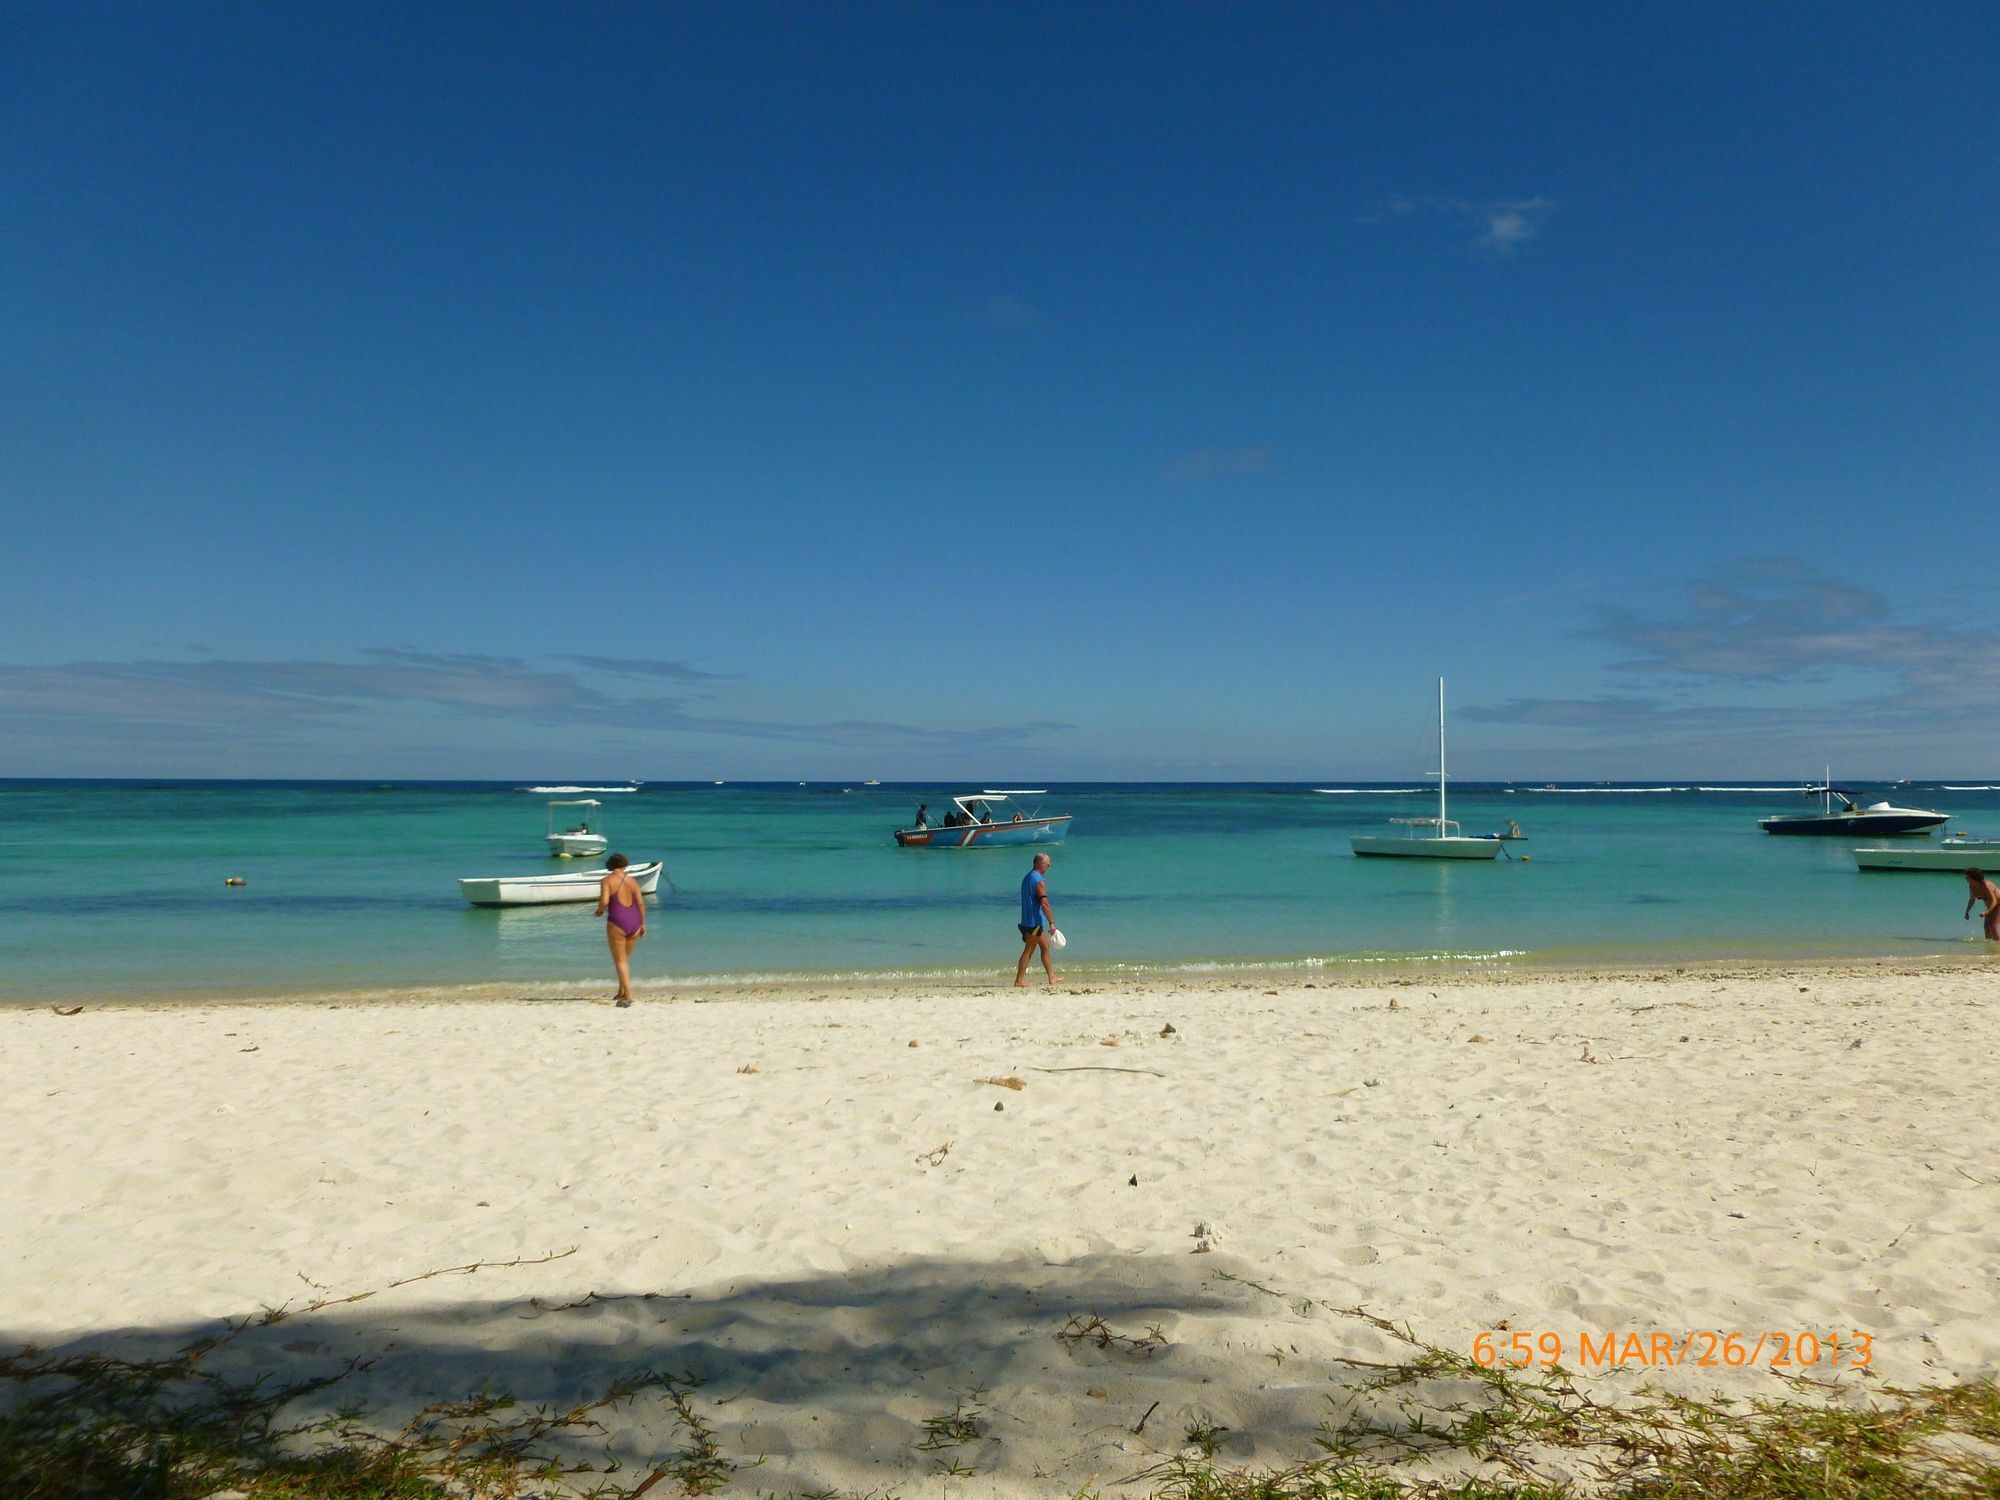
{"points": [[1852, 820]]}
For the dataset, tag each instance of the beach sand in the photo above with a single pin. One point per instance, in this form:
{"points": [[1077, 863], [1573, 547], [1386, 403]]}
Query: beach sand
{"points": [[810, 1202]]}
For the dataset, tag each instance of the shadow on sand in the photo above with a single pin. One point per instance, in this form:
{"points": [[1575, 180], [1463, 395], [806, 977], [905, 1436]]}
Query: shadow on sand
{"points": [[1014, 1377]]}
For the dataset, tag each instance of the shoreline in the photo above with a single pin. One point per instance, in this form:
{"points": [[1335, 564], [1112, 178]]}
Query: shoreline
{"points": [[1284, 974], [844, 1216]]}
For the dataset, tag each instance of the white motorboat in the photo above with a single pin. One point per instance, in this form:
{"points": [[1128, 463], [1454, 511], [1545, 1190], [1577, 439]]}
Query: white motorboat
{"points": [[585, 839], [1953, 856], [975, 825], [1433, 838], [546, 890]]}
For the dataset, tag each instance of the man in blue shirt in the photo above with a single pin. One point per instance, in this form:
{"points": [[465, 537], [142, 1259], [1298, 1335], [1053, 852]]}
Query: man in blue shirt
{"points": [[1038, 920]]}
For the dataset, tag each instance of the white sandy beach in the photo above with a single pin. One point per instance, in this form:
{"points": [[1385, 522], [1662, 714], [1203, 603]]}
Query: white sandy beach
{"points": [[814, 1206]]}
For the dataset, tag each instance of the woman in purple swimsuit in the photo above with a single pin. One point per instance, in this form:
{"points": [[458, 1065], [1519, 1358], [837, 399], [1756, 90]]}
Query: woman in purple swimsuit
{"points": [[623, 905]]}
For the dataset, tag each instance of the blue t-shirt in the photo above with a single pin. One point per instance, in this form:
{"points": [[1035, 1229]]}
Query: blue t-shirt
{"points": [[1031, 900]]}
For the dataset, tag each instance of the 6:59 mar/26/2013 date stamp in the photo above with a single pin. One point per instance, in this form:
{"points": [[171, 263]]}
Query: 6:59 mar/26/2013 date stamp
{"points": [[1661, 1349]]}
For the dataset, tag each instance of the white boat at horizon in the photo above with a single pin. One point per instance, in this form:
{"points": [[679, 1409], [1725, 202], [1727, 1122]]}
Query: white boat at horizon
{"points": [[548, 890], [1446, 841]]}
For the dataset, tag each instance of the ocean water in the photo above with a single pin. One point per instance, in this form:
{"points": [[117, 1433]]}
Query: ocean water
{"points": [[110, 889]]}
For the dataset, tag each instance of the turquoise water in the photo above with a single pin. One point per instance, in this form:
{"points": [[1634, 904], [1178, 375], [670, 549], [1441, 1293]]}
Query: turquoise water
{"points": [[117, 888]]}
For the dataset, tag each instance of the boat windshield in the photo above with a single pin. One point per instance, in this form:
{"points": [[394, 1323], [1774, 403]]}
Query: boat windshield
{"points": [[584, 819]]}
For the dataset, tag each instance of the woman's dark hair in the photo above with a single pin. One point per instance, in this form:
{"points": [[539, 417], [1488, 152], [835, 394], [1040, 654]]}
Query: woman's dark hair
{"points": [[1975, 874], [616, 862]]}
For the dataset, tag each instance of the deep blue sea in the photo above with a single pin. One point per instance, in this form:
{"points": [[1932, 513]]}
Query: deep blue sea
{"points": [[116, 888]]}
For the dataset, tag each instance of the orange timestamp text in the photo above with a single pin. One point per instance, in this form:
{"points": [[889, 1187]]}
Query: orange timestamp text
{"points": [[1659, 1349]]}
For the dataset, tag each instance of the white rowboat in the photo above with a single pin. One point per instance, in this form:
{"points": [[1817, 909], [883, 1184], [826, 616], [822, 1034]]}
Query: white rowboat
{"points": [[546, 890], [1952, 856]]}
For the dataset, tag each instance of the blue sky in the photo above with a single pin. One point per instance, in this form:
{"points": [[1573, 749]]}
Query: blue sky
{"points": [[998, 392]]}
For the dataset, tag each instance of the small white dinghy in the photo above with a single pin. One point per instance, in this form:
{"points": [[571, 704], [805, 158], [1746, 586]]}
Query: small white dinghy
{"points": [[546, 890], [585, 840], [1953, 855]]}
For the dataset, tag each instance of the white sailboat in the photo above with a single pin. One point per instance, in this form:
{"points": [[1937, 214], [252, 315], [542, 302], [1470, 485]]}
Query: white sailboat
{"points": [[1430, 838]]}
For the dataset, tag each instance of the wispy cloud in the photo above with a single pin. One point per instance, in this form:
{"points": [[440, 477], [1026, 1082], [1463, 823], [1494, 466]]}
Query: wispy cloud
{"points": [[1618, 714], [190, 701], [1208, 465], [1499, 226], [640, 666], [1512, 225], [1780, 619], [1773, 654], [1012, 313]]}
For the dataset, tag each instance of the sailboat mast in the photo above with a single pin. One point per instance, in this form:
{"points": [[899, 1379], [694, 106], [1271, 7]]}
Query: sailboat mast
{"points": [[1440, 757]]}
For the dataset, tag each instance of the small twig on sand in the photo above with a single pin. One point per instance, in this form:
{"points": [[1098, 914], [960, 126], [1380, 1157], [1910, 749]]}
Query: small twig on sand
{"points": [[1093, 1068], [590, 1299], [1145, 1419], [277, 1313], [650, 1480]]}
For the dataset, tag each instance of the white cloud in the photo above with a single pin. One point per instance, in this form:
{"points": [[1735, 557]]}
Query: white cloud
{"points": [[1500, 226], [1512, 225]]}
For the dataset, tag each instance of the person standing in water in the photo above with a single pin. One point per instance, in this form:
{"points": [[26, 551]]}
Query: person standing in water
{"points": [[623, 906], [1979, 888], [1038, 920]]}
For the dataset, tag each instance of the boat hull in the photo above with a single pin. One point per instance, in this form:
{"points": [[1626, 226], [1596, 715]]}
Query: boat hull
{"points": [[1951, 858], [550, 890], [1855, 825], [1400, 847], [986, 835], [578, 845]]}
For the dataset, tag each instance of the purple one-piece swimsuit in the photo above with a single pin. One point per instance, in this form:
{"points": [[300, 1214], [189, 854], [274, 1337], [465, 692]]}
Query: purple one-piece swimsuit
{"points": [[625, 916]]}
